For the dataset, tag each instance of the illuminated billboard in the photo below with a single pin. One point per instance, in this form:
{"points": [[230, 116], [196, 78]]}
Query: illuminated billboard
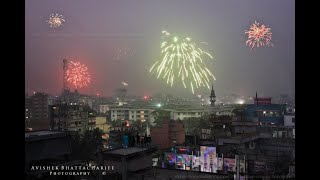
{"points": [[229, 164], [208, 159], [170, 158]]}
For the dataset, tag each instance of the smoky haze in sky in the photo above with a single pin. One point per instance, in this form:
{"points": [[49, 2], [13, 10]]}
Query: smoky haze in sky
{"points": [[95, 29]]}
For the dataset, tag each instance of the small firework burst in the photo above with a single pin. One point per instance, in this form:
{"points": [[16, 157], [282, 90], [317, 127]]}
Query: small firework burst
{"points": [[259, 35], [55, 20], [77, 75], [124, 83]]}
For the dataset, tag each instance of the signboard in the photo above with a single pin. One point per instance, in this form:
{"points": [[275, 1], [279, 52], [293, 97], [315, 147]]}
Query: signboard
{"points": [[220, 164], [208, 159], [229, 165], [170, 158]]}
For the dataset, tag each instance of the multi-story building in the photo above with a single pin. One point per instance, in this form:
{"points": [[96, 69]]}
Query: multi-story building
{"points": [[169, 134], [101, 123], [186, 113], [28, 113], [68, 97], [289, 120], [195, 112], [38, 111], [104, 108], [131, 113], [71, 117]]}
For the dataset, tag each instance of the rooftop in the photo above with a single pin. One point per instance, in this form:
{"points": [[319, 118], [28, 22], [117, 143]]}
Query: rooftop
{"points": [[40, 133], [129, 150]]}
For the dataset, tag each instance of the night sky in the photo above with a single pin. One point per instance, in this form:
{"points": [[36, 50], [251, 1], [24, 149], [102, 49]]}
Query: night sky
{"points": [[95, 29]]}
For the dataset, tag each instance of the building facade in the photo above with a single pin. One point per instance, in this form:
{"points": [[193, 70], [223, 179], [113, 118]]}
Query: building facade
{"points": [[169, 134], [131, 113], [181, 114], [71, 117], [28, 113], [104, 108], [289, 120], [37, 111], [265, 113]]}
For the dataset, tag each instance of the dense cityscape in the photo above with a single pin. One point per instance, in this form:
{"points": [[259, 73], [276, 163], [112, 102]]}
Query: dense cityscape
{"points": [[170, 134], [187, 113]]}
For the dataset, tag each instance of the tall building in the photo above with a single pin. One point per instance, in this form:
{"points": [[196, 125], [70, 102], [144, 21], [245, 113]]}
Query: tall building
{"points": [[103, 108], [185, 113], [131, 113], [38, 104], [264, 111], [28, 113], [71, 117], [68, 97], [169, 134]]}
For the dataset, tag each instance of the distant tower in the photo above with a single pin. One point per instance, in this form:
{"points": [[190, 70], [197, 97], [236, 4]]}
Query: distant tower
{"points": [[212, 97], [65, 68]]}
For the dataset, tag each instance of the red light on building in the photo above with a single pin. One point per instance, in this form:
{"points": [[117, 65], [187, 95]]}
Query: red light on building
{"points": [[145, 97], [262, 101]]}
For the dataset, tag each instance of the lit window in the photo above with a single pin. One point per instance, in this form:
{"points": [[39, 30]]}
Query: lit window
{"points": [[27, 109]]}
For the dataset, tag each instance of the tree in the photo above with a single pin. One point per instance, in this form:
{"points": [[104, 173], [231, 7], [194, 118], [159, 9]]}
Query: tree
{"points": [[116, 123], [239, 111], [159, 115], [86, 145], [137, 125], [191, 125]]}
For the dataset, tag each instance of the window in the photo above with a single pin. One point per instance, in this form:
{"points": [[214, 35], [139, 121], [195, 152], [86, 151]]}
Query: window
{"points": [[293, 120], [178, 114]]}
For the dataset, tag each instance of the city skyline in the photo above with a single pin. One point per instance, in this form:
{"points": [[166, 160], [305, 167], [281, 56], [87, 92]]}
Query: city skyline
{"points": [[93, 38]]}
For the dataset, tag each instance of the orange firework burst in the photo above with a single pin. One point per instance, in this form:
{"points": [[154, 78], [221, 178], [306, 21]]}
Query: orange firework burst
{"points": [[77, 75], [258, 35]]}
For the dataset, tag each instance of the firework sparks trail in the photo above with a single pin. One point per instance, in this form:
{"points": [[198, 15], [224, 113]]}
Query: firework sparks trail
{"points": [[258, 36], [77, 75], [55, 20], [182, 59]]}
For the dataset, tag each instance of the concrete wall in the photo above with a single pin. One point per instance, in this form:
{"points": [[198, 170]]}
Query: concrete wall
{"points": [[289, 120], [160, 136]]}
